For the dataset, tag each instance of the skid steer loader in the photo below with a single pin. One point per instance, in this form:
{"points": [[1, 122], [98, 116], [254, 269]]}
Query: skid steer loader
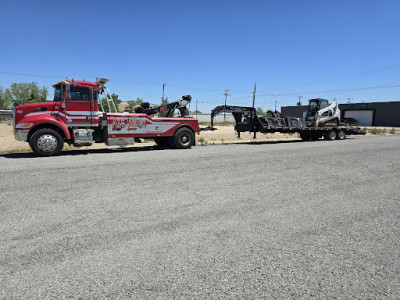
{"points": [[320, 113]]}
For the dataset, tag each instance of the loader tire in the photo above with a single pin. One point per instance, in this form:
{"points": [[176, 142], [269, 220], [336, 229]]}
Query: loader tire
{"points": [[46, 142], [183, 138]]}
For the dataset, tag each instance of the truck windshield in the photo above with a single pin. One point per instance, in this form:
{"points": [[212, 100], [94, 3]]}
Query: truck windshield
{"points": [[58, 93]]}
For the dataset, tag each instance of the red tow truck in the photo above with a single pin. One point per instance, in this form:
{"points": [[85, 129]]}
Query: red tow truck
{"points": [[74, 117]]}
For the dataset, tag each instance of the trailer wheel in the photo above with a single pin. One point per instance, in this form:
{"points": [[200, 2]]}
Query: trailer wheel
{"points": [[330, 135], [341, 134], [183, 138], [163, 141], [46, 142]]}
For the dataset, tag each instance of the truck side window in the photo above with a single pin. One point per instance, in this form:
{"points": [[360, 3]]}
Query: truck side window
{"points": [[95, 93], [79, 94]]}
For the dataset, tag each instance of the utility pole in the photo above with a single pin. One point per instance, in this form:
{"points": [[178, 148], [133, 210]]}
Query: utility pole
{"points": [[163, 87], [276, 102], [348, 100], [299, 103], [254, 95], [226, 95]]}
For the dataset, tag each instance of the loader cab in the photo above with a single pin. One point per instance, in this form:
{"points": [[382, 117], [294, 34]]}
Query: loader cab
{"points": [[316, 105]]}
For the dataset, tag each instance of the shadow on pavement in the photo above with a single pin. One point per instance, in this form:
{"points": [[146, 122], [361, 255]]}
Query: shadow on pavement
{"points": [[141, 149]]}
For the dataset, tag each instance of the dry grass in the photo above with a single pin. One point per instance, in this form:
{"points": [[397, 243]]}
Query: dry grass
{"points": [[380, 130], [227, 135]]}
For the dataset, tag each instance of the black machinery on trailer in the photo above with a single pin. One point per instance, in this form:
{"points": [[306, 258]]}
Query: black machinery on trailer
{"points": [[247, 121]]}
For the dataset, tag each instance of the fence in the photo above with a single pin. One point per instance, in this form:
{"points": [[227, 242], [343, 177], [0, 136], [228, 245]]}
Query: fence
{"points": [[217, 118], [6, 115]]}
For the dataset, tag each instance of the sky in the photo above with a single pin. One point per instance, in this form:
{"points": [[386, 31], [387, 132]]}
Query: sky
{"points": [[344, 50]]}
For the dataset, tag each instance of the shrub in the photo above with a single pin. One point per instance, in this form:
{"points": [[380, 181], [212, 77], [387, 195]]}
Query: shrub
{"points": [[377, 131]]}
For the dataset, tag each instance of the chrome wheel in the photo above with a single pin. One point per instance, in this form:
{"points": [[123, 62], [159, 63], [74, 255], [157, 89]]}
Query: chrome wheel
{"points": [[47, 143], [341, 135], [185, 139], [330, 135]]}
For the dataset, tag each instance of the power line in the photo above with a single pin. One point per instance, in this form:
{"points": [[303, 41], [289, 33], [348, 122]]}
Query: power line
{"points": [[334, 91], [394, 85], [30, 75]]}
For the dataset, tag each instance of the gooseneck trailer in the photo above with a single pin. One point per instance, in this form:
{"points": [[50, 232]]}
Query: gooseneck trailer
{"points": [[248, 121]]}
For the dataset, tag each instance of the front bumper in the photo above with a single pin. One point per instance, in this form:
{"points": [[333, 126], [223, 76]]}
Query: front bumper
{"points": [[21, 135]]}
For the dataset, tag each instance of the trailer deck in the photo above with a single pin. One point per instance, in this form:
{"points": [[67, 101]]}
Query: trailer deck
{"points": [[247, 121]]}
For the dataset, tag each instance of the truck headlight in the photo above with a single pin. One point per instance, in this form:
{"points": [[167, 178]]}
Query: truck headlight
{"points": [[24, 125]]}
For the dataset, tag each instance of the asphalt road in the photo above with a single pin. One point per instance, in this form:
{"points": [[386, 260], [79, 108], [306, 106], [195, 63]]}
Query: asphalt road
{"points": [[295, 220]]}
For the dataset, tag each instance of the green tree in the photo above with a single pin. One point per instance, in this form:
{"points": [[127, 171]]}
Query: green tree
{"points": [[116, 100], [4, 102], [24, 93], [133, 103], [260, 112]]}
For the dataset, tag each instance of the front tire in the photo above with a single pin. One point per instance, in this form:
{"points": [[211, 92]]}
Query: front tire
{"points": [[46, 142], [183, 138]]}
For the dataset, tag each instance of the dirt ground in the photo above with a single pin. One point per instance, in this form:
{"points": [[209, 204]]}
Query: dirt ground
{"points": [[224, 135]]}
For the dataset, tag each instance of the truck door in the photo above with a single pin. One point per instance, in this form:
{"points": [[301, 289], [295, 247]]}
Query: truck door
{"points": [[80, 107]]}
